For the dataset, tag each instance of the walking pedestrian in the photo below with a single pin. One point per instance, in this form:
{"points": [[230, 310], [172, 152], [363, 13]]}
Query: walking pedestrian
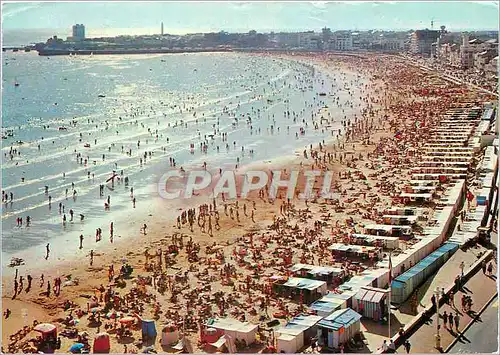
{"points": [[392, 347], [450, 319], [444, 296], [457, 283], [490, 268], [384, 346], [457, 322], [469, 304], [407, 346], [462, 266], [483, 266], [30, 279], [433, 300], [445, 319]]}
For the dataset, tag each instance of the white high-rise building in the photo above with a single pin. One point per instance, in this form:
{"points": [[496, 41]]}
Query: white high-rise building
{"points": [[78, 32]]}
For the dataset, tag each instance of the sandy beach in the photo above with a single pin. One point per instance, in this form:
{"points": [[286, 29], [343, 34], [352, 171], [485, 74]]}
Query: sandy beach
{"points": [[182, 277]]}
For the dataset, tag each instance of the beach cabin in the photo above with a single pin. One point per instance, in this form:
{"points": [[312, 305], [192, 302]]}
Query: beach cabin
{"points": [[422, 197], [404, 211], [448, 158], [419, 189], [289, 341], [297, 288], [324, 308], [438, 169], [440, 162], [371, 302], [441, 177], [297, 333], [331, 275], [338, 328], [215, 328], [389, 230], [399, 220], [403, 285], [352, 251], [331, 302], [424, 182], [370, 239]]}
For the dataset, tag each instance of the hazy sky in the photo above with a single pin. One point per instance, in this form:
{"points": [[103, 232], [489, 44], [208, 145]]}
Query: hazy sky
{"points": [[183, 17]]}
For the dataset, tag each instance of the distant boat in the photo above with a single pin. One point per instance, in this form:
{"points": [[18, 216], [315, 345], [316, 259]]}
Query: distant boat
{"points": [[163, 60], [16, 83], [101, 95]]}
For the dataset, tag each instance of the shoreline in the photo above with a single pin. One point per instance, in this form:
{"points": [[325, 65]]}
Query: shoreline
{"points": [[126, 232], [233, 232]]}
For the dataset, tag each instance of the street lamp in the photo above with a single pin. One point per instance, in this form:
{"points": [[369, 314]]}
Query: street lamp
{"points": [[438, 337]]}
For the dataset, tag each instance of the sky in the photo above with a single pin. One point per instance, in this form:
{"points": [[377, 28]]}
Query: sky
{"points": [[113, 17]]}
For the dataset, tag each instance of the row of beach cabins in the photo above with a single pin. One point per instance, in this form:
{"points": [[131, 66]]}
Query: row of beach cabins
{"points": [[453, 159]]}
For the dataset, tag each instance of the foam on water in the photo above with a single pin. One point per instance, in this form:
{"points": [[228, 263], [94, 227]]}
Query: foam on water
{"points": [[223, 89]]}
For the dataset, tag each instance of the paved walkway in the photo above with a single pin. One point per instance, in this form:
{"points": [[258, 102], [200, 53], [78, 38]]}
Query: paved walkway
{"points": [[375, 333], [447, 274], [482, 336], [481, 288]]}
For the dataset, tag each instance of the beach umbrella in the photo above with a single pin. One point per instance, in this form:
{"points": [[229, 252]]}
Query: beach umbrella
{"points": [[76, 348], [45, 328]]}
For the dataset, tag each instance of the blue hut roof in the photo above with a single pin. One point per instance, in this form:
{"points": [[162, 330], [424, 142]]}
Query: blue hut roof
{"points": [[341, 318]]}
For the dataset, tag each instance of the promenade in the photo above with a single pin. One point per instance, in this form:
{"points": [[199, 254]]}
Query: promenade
{"points": [[480, 287]]}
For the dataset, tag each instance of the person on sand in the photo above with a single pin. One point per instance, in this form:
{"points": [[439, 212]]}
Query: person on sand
{"points": [[144, 228], [81, 241], [48, 288], [7, 313], [30, 279], [91, 257], [16, 286]]}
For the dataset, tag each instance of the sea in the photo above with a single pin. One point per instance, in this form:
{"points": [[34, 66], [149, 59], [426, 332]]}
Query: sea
{"points": [[69, 123]]}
